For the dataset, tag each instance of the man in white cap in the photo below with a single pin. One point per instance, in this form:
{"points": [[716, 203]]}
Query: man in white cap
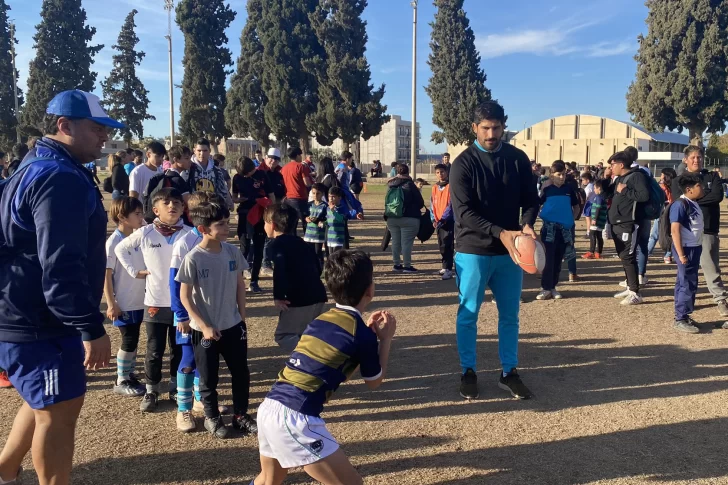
{"points": [[52, 265]]}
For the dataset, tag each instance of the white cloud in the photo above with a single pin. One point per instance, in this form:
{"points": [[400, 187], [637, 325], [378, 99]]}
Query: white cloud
{"points": [[607, 49]]}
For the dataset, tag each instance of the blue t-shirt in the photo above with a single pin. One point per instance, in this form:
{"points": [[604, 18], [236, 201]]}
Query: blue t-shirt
{"points": [[691, 221], [556, 204]]}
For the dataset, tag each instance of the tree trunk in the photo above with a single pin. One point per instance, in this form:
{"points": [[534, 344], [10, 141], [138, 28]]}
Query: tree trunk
{"points": [[696, 135], [304, 145], [347, 147]]}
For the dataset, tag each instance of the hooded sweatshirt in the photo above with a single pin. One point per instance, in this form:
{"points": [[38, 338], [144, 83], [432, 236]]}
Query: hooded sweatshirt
{"points": [[413, 201], [628, 206], [209, 179]]}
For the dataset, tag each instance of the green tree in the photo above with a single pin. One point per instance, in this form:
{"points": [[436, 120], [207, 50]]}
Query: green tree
{"points": [[349, 106], [124, 94], [292, 58], [457, 85], [206, 59], [246, 100], [681, 80], [63, 59], [8, 120]]}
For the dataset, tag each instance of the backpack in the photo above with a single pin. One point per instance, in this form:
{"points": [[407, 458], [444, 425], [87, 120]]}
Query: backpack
{"points": [[665, 227], [653, 207], [394, 202], [156, 183], [427, 229], [107, 185]]}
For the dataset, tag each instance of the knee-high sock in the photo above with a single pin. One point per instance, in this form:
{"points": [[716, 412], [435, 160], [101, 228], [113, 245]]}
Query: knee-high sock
{"points": [[123, 365], [197, 386], [184, 391]]}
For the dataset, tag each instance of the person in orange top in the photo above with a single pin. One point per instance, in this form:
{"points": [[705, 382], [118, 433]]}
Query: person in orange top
{"points": [[443, 219]]}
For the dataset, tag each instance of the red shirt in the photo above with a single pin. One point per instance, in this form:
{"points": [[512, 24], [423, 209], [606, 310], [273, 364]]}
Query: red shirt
{"points": [[294, 175]]}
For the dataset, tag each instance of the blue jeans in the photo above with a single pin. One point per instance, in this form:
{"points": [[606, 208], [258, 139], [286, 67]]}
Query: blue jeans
{"points": [[686, 286], [505, 280], [654, 238], [643, 241]]}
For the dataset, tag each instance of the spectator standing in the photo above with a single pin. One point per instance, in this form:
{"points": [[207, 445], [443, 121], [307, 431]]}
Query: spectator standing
{"points": [[403, 220], [297, 179], [443, 220], [142, 174], [446, 160], [356, 183], [119, 178]]}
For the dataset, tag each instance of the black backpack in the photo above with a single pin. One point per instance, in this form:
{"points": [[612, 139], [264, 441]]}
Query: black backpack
{"points": [[665, 228], [156, 183]]}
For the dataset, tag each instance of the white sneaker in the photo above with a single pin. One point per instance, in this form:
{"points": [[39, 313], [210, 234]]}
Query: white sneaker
{"points": [[447, 274], [442, 271], [544, 295], [632, 299], [623, 284], [643, 280], [622, 294], [556, 294]]}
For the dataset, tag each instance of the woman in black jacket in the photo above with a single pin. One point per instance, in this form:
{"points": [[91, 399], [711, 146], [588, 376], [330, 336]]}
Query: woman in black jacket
{"points": [[404, 229], [119, 178], [326, 175]]}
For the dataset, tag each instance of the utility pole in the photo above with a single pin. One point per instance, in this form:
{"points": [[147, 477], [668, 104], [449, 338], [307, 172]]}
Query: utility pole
{"points": [[169, 7], [413, 154], [15, 82]]}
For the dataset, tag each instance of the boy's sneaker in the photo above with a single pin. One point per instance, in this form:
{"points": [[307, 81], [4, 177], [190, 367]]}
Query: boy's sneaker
{"points": [[442, 271], [409, 269], [573, 278], [447, 275], [254, 288], [667, 260], [623, 284], [186, 422], [544, 295], [643, 280], [216, 427], [685, 326], [597, 255], [198, 408], [149, 403], [245, 424], [4, 381], [723, 308], [513, 384], [398, 268], [128, 388], [469, 385], [622, 294], [588, 256], [632, 299], [556, 295]]}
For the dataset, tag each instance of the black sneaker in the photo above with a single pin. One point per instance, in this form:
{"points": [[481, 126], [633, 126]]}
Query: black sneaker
{"points": [[410, 269], [128, 388], [245, 424], [513, 384], [216, 427], [398, 267], [150, 402], [469, 385], [254, 288]]}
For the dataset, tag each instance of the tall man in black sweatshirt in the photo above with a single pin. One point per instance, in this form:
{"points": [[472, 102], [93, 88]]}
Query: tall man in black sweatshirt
{"points": [[710, 206], [490, 183]]}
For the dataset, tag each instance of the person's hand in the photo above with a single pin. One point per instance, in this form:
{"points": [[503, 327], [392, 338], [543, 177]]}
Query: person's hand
{"points": [[528, 231], [282, 305], [308, 219], [360, 217], [683, 259], [332, 206], [384, 324], [621, 187], [98, 353], [211, 333], [113, 311], [508, 238], [142, 274], [184, 327], [434, 224]]}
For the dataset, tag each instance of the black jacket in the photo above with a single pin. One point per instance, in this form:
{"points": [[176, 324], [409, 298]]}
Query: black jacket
{"points": [[628, 205], [488, 191], [413, 201], [275, 182], [296, 272], [710, 203], [119, 179]]}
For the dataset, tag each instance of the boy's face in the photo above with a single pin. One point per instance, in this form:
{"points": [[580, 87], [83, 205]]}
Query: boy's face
{"points": [[155, 159], [169, 211], [584, 182], [695, 192], [269, 229], [334, 199], [419, 185], [219, 230], [317, 195], [135, 220], [558, 178], [185, 162], [441, 175], [597, 189], [202, 152]]}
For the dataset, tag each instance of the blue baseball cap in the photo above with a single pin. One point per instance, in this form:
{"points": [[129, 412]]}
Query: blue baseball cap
{"points": [[80, 104]]}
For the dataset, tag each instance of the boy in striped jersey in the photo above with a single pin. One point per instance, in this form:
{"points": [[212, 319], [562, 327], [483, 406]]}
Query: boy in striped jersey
{"points": [[337, 216], [316, 221]]}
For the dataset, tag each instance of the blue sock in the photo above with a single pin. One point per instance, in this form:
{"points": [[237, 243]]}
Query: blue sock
{"points": [[123, 365], [184, 392], [197, 386]]}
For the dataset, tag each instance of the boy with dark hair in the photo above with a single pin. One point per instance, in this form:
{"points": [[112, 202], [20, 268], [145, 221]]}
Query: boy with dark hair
{"points": [[298, 292], [213, 293], [559, 208], [598, 220], [316, 221], [686, 226], [141, 175], [156, 242], [337, 216], [443, 220], [291, 431], [205, 176]]}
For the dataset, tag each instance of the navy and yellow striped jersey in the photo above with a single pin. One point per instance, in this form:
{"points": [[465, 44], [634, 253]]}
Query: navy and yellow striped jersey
{"points": [[330, 350]]}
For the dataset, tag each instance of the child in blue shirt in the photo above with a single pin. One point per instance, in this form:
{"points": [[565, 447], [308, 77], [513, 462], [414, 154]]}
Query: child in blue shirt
{"points": [[336, 217], [559, 208], [316, 221]]}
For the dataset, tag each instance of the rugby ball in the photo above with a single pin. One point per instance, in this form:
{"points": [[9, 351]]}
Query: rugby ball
{"points": [[532, 257]]}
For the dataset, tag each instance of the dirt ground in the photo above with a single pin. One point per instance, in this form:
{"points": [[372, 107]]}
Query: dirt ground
{"points": [[621, 398]]}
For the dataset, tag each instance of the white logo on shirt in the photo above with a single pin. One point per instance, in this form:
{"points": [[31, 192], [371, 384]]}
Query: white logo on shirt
{"points": [[295, 362]]}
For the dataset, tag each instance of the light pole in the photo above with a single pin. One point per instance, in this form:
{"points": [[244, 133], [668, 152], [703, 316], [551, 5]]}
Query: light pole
{"points": [[169, 7], [413, 142], [15, 81]]}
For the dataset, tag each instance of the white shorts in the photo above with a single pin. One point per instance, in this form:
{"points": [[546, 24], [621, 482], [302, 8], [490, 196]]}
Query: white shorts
{"points": [[294, 439]]}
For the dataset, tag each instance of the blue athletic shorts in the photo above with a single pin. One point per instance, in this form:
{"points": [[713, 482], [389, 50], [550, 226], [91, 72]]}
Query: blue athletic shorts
{"points": [[133, 317], [45, 372]]}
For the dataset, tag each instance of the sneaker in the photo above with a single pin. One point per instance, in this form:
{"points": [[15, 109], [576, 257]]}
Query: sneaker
{"points": [[247, 274], [447, 275], [216, 427], [513, 384], [685, 326], [18, 480], [128, 388], [4, 381], [573, 278], [398, 267], [623, 284], [245, 424], [186, 422], [469, 385], [597, 255], [643, 280], [556, 295], [622, 294], [724, 326], [632, 299], [667, 260], [588, 256], [442, 272], [149, 403], [723, 308], [198, 408], [409, 269], [266, 271], [544, 295], [254, 288]]}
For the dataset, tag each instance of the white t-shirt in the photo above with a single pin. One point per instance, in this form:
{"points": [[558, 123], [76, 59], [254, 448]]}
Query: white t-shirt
{"points": [[128, 291], [157, 253], [183, 246], [140, 177], [589, 190]]}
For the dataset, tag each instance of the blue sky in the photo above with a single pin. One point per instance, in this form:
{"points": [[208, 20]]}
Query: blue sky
{"points": [[542, 58]]}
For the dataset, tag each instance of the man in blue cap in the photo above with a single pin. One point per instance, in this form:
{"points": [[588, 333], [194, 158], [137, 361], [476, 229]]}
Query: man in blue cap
{"points": [[52, 260]]}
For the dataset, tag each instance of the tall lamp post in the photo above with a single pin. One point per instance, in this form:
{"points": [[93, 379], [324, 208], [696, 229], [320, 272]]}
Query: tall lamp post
{"points": [[169, 7], [15, 82], [413, 142]]}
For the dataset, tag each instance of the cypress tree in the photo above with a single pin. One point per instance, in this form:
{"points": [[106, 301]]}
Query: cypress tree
{"points": [[8, 120], [681, 80], [124, 94], [349, 106], [63, 59], [246, 101], [292, 58], [457, 84], [206, 59]]}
